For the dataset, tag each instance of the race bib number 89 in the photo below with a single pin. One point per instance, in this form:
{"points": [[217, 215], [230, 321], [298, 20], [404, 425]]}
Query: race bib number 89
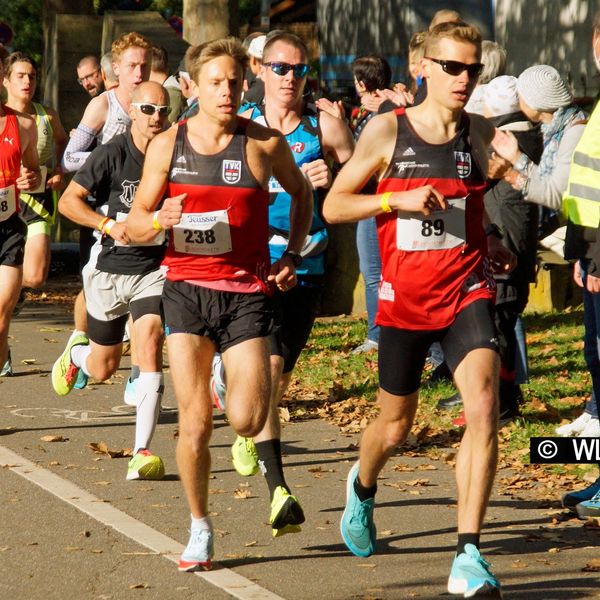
{"points": [[8, 202], [203, 233], [441, 230]]}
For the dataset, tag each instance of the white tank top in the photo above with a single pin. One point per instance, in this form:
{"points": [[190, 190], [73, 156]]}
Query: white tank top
{"points": [[45, 141], [117, 120]]}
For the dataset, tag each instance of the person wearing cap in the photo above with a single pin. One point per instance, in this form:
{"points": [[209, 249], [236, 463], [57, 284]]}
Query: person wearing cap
{"points": [[544, 97], [254, 88]]}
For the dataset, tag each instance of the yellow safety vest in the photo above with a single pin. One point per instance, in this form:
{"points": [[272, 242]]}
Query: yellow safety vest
{"points": [[581, 200]]}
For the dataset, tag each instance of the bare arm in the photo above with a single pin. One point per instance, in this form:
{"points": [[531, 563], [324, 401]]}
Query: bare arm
{"points": [[73, 204], [152, 187], [344, 203], [336, 138], [30, 177], [60, 143]]}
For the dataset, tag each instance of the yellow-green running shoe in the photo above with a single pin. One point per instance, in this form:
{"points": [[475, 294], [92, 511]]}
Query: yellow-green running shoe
{"points": [[64, 372], [286, 513], [245, 458], [145, 465]]}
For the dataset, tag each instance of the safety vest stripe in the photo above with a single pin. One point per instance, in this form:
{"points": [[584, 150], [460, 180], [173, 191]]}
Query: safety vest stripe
{"points": [[584, 160], [585, 192]]}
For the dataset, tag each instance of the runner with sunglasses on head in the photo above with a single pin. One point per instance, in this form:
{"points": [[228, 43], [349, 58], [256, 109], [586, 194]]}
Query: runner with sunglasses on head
{"points": [[126, 278], [315, 139], [431, 163], [214, 170]]}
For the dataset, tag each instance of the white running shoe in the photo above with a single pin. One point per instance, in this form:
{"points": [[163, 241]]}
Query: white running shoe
{"points": [[574, 428], [591, 429]]}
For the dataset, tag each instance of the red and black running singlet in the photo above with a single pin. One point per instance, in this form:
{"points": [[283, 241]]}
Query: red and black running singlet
{"points": [[224, 230], [10, 165], [432, 266]]}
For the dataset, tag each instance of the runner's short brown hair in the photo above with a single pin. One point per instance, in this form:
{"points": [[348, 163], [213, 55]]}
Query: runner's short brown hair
{"points": [[458, 31], [198, 56]]}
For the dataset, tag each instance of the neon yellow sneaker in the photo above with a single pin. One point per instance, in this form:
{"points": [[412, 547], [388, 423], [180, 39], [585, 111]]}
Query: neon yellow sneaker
{"points": [[245, 458], [64, 372], [286, 513], [145, 465]]}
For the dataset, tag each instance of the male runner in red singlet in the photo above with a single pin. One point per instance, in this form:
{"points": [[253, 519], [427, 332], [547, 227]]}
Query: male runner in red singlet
{"points": [[19, 170], [214, 170], [431, 163]]}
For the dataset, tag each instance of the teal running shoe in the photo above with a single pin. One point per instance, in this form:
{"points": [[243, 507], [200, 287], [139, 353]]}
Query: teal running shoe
{"points": [[82, 380], [589, 508], [7, 370], [218, 387], [130, 391], [199, 551], [471, 576], [572, 499], [357, 525]]}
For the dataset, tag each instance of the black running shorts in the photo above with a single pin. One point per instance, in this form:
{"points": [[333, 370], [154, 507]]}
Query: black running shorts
{"points": [[227, 318], [402, 352], [295, 312], [13, 233]]}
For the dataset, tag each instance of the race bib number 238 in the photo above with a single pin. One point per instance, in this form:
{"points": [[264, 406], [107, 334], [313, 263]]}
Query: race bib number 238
{"points": [[206, 233], [8, 202]]}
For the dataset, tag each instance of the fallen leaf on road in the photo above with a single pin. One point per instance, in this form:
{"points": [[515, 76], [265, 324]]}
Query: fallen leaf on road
{"points": [[50, 329], [592, 565], [102, 482], [367, 565], [139, 586], [252, 543], [102, 448], [29, 361], [53, 438], [239, 494]]}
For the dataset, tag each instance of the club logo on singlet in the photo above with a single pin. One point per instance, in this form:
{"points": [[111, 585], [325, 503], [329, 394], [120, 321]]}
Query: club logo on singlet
{"points": [[232, 171], [129, 188], [297, 147], [463, 164]]}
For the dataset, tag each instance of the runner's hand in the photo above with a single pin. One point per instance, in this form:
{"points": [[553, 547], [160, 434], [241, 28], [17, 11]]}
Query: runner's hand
{"points": [[170, 213], [318, 174], [502, 260], [425, 199], [283, 274], [56, 182], [577, 274], [118, 233], [497, 166], [28, 180], [592, 284]]}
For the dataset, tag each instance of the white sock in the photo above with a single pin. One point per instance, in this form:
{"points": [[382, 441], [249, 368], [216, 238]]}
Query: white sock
{"points": [[201, 523], [79, 355], [147, 398]]}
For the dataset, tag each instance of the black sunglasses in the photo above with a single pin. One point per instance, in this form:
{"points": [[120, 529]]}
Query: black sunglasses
{"points": [[281, 68], [455, 68], [150, 109]]}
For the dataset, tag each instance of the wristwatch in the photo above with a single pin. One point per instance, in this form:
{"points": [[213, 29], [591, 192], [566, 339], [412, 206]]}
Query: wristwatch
{"points": [[493, 229], [295, 256]]}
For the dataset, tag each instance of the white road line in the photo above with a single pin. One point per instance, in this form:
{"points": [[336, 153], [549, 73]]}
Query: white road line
{"points": [[225, 579]]}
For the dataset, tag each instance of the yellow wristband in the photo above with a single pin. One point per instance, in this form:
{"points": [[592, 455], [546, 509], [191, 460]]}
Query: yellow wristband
{"points": [[108, 226], [102, 223], [155, 224], [385, 202]]}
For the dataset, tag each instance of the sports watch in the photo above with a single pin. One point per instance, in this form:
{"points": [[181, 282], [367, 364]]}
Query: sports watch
{"points": [[295, 256]]}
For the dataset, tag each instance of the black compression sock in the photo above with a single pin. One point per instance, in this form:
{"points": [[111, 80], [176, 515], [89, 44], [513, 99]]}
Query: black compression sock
{"points": [[271, 465], [364, 493], [466, 538]]}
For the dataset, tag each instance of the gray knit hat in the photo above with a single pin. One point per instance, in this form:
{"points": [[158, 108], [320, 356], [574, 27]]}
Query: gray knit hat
{"points": [[542, 88]]}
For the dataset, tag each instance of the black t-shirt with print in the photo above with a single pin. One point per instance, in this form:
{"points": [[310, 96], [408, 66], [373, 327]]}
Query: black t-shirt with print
{"points": [[112, 174]]}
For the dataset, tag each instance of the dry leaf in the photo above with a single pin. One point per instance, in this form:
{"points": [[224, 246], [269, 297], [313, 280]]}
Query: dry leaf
{"points": [[53, 438], [29, 361], [592, 565], [139, 586], [239, 494], [102, 448], [252, 543]]}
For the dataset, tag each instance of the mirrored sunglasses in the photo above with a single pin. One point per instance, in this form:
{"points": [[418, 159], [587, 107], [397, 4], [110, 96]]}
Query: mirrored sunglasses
{"points": [[150, 109], [455, 68], [281, 68]]}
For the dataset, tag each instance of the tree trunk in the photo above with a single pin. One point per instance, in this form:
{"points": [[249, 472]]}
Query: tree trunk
{"points": [[70, 7], [205, 20]]}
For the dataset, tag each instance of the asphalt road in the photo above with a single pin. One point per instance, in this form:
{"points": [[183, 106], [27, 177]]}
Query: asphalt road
{"points": [[72, 527]]}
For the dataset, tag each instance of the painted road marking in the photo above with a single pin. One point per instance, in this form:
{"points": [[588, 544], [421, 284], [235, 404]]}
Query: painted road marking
{"points": [[225, 579]]}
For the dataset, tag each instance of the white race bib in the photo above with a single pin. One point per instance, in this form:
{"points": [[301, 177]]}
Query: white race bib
{"points": [[440, 230], [157, 241], [40, 189], [274, 186], [8, 202], [206, 233]]}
